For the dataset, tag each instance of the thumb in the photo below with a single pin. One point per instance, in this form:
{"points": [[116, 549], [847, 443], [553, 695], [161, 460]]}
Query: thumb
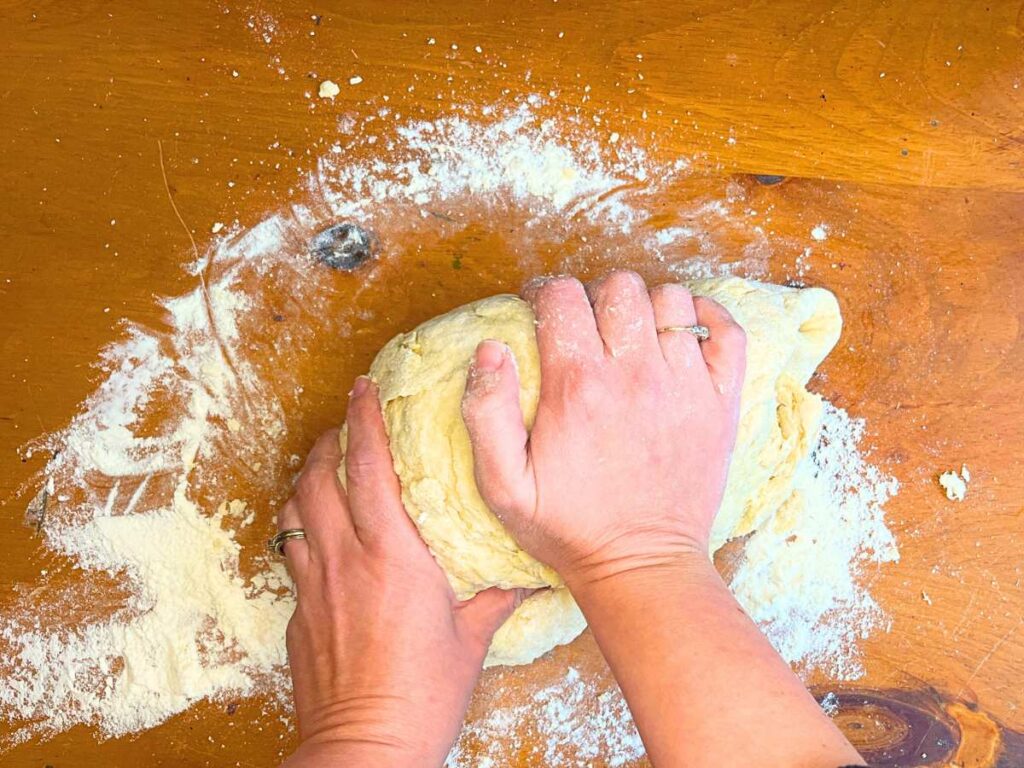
{"points": [[486, 611], [490, 408]]}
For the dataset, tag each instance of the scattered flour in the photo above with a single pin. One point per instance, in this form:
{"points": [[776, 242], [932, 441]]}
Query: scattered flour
{"points": [[576, 723], [815, 614], [517, 157], [820, 232], [143, 483], [830, 704]]}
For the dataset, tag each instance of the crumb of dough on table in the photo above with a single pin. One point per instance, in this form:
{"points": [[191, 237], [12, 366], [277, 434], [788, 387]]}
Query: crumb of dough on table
{"points": [[328, 89], [954, 483]]}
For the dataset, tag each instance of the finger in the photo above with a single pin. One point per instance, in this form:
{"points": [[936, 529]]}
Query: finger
{"points": [[494, 420], [486, 611], [725, 351], [673, 306], [566, 332], [625, 319], [320, 499], [375, 496], [296, 551]]}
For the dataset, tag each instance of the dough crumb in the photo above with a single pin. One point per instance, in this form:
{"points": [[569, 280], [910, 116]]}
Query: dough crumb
{"points": [[329, 89], [217, 227], [954, 484]]}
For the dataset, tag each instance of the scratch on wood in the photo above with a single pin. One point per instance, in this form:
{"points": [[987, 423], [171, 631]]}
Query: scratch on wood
{"points": [[992, 651], [970, 678], [964, 616], [170, 197], [202, 274]]}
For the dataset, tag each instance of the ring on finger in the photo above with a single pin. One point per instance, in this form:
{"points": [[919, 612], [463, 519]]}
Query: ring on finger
{"points": [[276, 544], [701, 332]]}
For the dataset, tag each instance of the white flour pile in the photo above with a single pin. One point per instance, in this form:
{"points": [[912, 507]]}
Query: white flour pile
{"points": [[802, 587], [144, 482]]}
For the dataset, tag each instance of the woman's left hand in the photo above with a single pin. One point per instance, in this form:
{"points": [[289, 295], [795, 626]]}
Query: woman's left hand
{"points": [[383, 657]]}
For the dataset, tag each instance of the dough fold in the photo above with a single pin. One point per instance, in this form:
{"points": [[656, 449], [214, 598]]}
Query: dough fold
{"points": [[422, 375]]}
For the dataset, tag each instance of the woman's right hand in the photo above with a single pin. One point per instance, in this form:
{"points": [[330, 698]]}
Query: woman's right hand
{"points": [[626, 462], [616, 488]]}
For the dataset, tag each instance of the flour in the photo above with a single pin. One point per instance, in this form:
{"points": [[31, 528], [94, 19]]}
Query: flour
{"points": [[517, 158], [815, 615], [192, 627], [574, 723], [144, 482]]}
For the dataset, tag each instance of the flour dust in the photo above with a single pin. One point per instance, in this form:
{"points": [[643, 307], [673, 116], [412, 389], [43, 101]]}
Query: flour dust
{"points": [[161, 490]]}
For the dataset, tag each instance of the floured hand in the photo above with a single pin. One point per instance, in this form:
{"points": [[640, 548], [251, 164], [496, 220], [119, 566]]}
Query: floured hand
{"points": [[627, 459]]}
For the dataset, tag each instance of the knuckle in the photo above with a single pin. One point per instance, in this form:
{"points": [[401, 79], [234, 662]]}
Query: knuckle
{"points": [[287, 515], [558, 288], [588, 390], [332, 580], [711, 306], [676, 292], [673, 298], [619, 281], [504, 498], [310, 483], [624, 278], [361, 468], [293, 631], [329, 443]]}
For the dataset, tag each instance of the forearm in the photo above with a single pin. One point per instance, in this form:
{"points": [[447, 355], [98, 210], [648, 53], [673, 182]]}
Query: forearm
{"points": [[704, 685]]}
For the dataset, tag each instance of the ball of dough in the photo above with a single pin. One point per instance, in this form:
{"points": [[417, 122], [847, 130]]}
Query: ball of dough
{"points": [[422, 376]]}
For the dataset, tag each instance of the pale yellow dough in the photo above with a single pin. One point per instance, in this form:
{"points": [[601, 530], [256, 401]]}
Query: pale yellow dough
{"points": [[422, 375]]}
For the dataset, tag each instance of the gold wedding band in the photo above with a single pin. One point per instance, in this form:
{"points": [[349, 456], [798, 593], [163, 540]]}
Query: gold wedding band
{"points": [[701, 332], [277, 543]]}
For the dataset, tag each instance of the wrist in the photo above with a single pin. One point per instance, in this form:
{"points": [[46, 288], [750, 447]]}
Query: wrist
{"points": [[322, 752], [677, 558], [373, 729]]}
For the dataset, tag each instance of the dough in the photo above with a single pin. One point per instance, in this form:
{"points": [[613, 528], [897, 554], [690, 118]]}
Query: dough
{"points": [[422, 375]]}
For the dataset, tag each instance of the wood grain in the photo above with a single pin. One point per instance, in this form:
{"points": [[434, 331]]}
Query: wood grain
{"points": [[918, 174]]}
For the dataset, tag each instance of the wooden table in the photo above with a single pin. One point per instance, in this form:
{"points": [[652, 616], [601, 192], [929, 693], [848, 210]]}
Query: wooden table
{"points": [[900, 124]]}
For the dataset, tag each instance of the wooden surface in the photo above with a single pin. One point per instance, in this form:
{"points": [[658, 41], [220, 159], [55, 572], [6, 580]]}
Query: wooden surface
{"points": [[899, 124]]}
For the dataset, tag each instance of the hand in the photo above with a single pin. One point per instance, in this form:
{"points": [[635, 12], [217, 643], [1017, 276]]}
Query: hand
{"points": [[616, 487], [383, 657], [627, 458]]}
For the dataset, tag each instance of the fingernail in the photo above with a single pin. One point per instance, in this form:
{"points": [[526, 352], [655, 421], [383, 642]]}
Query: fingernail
{"points": [[522, 594], [362, 383], [534, 284], [490, 355]]}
